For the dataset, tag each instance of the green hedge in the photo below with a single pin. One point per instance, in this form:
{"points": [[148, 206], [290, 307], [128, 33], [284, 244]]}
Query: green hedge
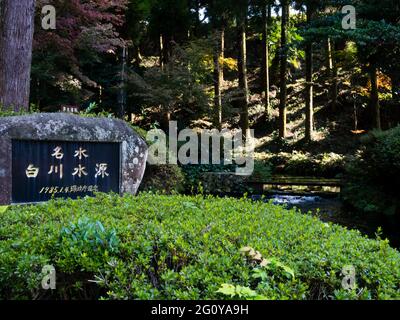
{"points": [[179, 247]]}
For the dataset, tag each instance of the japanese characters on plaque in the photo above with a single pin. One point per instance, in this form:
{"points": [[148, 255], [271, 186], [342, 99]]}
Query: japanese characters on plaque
{"points": [[46, 169]]}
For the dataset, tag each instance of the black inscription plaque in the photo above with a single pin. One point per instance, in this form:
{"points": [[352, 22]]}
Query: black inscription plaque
{"points": [[42, 170]]}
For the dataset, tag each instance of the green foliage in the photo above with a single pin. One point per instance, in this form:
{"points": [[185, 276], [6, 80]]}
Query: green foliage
{"points": [[137, 12], [71, 63], [178, 87], [222, 179], [141, 132], [295, 52], [327, 165], [240, 292], [373, 175], [271, 280], [89, 235], [11, 113], [85, 244], [91, 108], [199, 54], [180, 247], [93, 111], [262, 171], [165, 179], [3, 209], [213, 179]]}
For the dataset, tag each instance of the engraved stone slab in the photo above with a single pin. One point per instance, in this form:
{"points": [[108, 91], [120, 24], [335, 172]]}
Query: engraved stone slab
{"points": [[63, 155]]}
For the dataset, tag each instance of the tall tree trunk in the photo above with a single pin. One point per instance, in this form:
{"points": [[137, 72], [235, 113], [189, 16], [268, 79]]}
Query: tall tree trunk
{"points": [[122, 92], [137, 57], [222, 53], [243, 82], [375, 106], [165, 49], [219, 75], [333, 72], [16, 36], [283, 69], [166, 116], [162, 52], [355, 114], [266, 16], [197, 25], [309, 84]]}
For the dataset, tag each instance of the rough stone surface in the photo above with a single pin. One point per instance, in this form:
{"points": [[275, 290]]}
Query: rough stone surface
{"points": [[68, 127]]}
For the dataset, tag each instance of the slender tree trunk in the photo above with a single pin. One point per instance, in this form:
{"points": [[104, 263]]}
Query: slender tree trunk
{"points": [[375, 106], [166, 118], [266, 16], [165, 49], [333, 72], [355, 115], [161, 52], [137, 56], [243, 81], [16, 36], [122, 93], [221, 72], [283, 70], [309, 84], [197, 25], [222, 54], [217, 90], [218, 75]]}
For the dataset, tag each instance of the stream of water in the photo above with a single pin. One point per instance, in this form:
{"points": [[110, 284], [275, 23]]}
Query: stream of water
{"points": [[331, 209]]}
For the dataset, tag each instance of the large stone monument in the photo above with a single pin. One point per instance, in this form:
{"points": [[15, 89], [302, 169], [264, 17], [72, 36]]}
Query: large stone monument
{"points": [[67, 156]]}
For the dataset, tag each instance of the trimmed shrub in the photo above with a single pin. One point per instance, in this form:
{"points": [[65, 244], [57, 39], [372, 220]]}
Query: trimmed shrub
{"points": [[181, 247]]}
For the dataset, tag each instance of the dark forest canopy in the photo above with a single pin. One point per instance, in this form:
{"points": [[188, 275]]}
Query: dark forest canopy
{"points": [[212, 61]]}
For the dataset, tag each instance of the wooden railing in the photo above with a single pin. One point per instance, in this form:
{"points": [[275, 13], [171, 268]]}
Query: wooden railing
{"points": [[258, 184]]}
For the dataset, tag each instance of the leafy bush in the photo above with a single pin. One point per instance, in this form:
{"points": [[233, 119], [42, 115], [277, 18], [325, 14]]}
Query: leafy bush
{"points": [[262, 171], [11, 113], [213, 179], [140, 131], [177, 87], [374, 174], [327, 165], [222, 179], [181, 247], [221, 183], [165, 179]]}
